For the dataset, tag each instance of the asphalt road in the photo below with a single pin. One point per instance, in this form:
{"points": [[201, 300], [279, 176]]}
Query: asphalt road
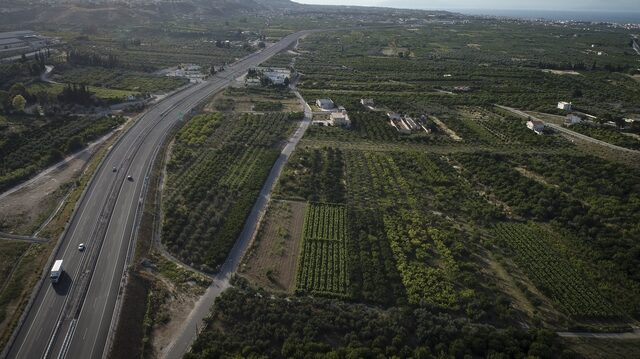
{"points": [[72, 318], [569, 132]]}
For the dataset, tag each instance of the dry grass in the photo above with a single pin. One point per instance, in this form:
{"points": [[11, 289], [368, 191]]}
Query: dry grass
{"points": [[272, 259], [594, 348]]}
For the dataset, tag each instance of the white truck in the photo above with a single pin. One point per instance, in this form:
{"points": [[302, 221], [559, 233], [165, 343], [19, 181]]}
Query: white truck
{"points": [[56, 271]]}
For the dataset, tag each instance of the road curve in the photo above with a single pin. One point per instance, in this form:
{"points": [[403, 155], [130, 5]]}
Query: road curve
{"points": [[72, 318]]}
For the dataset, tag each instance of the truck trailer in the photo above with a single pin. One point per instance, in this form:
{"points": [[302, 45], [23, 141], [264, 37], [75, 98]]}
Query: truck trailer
{"points": [[56, 271]]}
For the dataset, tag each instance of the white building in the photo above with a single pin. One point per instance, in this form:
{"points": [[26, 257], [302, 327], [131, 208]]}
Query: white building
{"points": [[252, 81], [572, 119], [564, 105], [325, 104], [340, 118], [276, 78], [536, 126], [367, 102], [411, 123], [276, 75], [191, 71], [394, 116]]}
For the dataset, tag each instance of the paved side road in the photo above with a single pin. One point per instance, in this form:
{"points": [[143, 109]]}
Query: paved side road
{"points": [[568, 131], [189, 330], [635, 334]]}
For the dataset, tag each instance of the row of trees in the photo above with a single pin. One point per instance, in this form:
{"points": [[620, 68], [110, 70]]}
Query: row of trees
{"points": [[244, 324], [88, 58]]}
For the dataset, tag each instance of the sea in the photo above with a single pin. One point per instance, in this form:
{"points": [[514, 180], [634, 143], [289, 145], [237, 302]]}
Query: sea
{"points": [[591, 16]]}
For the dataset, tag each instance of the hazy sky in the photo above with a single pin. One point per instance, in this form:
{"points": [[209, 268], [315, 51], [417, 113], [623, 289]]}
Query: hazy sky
{"points": [[597, 5]]}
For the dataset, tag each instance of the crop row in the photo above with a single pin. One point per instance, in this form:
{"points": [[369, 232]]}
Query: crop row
{"points": [[552, 272], [322, 267], [213, 181]]}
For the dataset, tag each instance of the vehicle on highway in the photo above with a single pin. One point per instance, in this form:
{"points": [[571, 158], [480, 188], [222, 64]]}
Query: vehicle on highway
{"points": [[81, 247], [56, 271], [115, 169], [130, 178]]}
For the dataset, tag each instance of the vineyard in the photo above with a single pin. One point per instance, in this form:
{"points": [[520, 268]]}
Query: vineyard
{"points": [[322, 267], [549, 268], [216, 170], [423, 246]]}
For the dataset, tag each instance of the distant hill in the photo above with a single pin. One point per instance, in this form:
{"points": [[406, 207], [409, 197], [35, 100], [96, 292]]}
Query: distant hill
{"points": [[54, 13], [131, 12]]}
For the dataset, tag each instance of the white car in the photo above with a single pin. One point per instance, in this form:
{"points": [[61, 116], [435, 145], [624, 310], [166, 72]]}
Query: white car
{"points": [[130, 178], [81, 247]]}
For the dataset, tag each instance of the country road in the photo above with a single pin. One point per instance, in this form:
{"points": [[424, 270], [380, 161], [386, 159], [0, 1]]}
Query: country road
{"points": [[568, 131], [73, 317], [635, 334], [189, 330]]}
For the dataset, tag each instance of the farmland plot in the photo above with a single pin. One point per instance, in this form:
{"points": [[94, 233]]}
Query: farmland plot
{"points": [[323, 266]]}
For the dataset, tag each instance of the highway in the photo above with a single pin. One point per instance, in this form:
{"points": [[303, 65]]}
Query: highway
{"points": [[72, 319], [189, 331]]}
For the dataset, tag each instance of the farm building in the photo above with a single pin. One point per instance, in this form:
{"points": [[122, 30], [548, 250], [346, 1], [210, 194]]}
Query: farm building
{"points": [[566, 106], [325, 104], [572, 119], [22, 40], [367, 102], [276, 75], [394, 116], [536, 126], [405, 124], [340, 118]]}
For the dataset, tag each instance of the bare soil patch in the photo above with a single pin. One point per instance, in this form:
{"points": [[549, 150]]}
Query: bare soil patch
{"points": [[395, 51], [223, 101], [561, 72], [446, 129], [527, 299], [594, 348], [272, 258], [534, 176], [24, 207]]}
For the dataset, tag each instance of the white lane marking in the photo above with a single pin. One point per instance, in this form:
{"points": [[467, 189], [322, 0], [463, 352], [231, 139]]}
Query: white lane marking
{"points": [[74, 233]]}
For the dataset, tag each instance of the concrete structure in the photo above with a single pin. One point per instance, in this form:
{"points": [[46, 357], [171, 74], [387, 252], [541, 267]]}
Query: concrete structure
{"points": [[462, 89], [411, 123], [572, 119], [325, 104], [25, 40], [277, 75], [340, 118], [394, 116], [536, 126], [191, 71], [367, 102], [406, 125], [252, 81], [564, 105]]}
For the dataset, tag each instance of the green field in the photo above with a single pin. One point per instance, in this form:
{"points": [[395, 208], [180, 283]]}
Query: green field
{"points": [[28, 145], [537, 252], [217, 166], [100, 92], [99, 77], [323, 261]]}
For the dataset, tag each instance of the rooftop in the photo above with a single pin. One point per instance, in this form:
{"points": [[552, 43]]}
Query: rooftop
{"points": [[10, 34]]}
